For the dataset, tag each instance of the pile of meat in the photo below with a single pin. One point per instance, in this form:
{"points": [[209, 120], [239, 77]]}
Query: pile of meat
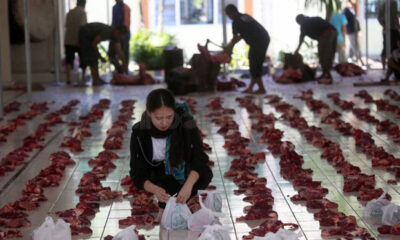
{"points": [[142, 78], [11, 107], [348, 69], [214, 56], [242, 168], [81, 131], [14, 214], [35, 109], [309, 190], [35, 139], [90, 188]]}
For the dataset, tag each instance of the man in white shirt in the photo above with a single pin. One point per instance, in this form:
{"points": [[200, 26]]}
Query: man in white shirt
{"points": [[75, 19]]}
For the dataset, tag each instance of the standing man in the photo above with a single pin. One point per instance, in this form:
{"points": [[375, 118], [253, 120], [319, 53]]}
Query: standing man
{"points": [[393, 27], [321, 30], [121, 15], [352, 29], [90, 36], [75, 19], [255, 35], [339, 21]]}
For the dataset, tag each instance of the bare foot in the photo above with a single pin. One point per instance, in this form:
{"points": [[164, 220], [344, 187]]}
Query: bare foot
{"points": [[325, 81], [260, 91], [248, 91], [99, 82], [159, 215]]}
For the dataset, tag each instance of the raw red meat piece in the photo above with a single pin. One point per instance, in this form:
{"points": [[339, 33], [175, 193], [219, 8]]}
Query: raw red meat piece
{"points": [[392, 181], [385, 229], [10, 234], [348, 69], [269, 226], [77, 230], [17, 223], [258, 214], [323, 203], [366, 194], [259, 207], [25, 205], [262, 198], [137, 220], [349, 232], [73, 144], [310, 194], [329, 212], [9, 211], [126, 181], [355, 182], [337, 221]]}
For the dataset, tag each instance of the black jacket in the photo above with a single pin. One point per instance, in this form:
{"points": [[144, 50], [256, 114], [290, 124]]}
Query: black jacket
{"points": [[143, 168]]}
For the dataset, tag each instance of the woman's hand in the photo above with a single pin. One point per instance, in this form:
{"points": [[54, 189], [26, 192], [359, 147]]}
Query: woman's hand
{"points": [[184, 193], [162, 195]]}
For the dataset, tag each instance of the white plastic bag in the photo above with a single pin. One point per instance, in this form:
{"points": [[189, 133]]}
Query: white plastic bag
{"points": [[215, 232], [281, 234], [374, 207], [213, 200], [175, 215], [127, 234], [52, 231], [391, 214], [202, 218]]}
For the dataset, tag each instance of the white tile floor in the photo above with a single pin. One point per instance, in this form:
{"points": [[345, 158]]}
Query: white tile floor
{"points": [[106, 221]]}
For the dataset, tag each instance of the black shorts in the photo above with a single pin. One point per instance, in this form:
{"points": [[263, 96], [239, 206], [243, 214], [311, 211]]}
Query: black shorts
{"points": [[256, 58], [89, 56], [70, 54]]}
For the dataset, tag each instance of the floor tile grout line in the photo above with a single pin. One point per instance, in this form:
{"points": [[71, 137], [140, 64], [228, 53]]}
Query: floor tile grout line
{"points": [[225, 191], [316, 117], [32, 159], [71, 176], [277, 184], [332, 183]]}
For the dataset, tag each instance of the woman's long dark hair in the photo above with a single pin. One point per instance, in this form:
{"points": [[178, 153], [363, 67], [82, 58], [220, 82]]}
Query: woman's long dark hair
{"points": [[159, 98]]}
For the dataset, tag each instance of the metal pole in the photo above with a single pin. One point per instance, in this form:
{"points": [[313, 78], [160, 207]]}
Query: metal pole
{"points": [[387, 28], [27, 50], [1, 88], [57, 43], [224, 28], [366, 34]]}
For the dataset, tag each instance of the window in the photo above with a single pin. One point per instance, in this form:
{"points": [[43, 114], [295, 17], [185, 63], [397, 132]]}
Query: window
{"points": [[373, 7], [197, 11], [168, 12], [222, 8]]}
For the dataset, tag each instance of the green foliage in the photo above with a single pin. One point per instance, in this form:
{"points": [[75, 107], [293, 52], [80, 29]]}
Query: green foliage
{"points": [[240, 56], [147, 47], [103, 52], [330, 6]]}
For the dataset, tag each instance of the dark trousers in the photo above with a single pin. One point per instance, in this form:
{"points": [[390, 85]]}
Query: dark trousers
{"points": [[394, 36], [172, 187], [112, 55]]}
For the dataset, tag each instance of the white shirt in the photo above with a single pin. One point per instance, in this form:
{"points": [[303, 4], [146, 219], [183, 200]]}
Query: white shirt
{"points": [[159, 145]]}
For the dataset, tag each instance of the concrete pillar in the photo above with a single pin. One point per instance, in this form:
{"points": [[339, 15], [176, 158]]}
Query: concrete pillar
{"points": [[5, 45]]}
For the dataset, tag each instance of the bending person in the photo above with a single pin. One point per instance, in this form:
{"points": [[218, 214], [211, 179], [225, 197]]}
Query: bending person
{"points": [[255, 35], [90, 36], [319, 29], [167, 154]]}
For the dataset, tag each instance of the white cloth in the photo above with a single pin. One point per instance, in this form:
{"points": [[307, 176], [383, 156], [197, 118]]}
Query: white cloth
{"points": [[396, 55], [159, 145]]}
